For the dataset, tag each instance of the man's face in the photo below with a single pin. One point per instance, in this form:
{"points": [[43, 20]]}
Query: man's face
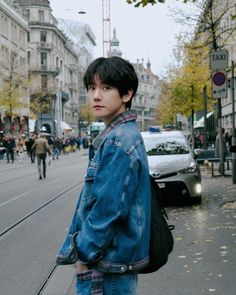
{"points": [[105, 100]]}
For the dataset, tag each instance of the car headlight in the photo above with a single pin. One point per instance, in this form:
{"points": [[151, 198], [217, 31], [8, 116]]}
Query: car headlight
{"points": [[190, 169]]}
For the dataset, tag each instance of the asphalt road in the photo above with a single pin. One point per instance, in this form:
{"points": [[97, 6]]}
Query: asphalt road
{"points": [[203, 260], [28, 251]]}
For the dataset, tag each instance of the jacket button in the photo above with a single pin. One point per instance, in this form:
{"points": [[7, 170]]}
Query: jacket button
{"points": [[123, 268]]}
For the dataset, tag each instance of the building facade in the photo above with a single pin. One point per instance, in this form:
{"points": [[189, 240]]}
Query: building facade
{"points": [[52, 65], [146, 99], [14, 95]]}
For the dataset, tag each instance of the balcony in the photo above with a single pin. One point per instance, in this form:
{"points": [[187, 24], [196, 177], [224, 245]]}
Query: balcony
{"points": [[45, 69], [45, 45]]}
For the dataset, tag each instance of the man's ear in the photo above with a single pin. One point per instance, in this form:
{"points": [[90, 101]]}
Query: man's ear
{"points": [[127, 96]]}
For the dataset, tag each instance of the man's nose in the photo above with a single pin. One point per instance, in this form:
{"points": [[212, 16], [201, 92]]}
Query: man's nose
{"points": [[97, 94]]}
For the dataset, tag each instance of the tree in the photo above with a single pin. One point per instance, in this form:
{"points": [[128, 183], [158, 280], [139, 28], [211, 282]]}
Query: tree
{"points": [[40, 103], [86, 114], [14, 88], [143, 3], [182, 92]]}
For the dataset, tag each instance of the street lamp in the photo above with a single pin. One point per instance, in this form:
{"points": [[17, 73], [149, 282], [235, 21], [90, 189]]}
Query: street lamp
{"points": [[81, 12]]}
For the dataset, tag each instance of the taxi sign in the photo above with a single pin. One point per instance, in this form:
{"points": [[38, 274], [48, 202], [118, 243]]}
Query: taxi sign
{"points": [[219, 59]]}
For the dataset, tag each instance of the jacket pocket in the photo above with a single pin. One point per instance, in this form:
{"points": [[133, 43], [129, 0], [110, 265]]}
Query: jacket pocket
{"points": [[91, 171], [87, 194]]}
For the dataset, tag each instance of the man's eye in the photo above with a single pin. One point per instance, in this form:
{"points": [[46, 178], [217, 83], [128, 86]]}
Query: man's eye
{"points": [[107, 87], [90, 88]]}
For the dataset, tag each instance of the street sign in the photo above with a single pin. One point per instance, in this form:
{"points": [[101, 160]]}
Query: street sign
{"points": [[219, 85], [219, 59], [219, 78]]}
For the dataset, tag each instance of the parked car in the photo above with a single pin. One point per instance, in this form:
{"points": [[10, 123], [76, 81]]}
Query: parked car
{"points": [[172, 163]]}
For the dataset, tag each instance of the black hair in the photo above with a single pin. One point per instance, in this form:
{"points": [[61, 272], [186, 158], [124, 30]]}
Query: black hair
{"points": [[113, 71]]}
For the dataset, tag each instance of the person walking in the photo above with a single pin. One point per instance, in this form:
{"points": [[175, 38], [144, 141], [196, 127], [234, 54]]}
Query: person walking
{"points": [[29, 143], [41, 148], [10, 144], [217, 145], [20, 147], [110, 230]]}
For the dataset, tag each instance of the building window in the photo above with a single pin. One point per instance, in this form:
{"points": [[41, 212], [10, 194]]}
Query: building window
{"points": [[43, 36], [28, 57], [26, 14], [41, 15], [44, 58], [28, 36], [44, 81]]}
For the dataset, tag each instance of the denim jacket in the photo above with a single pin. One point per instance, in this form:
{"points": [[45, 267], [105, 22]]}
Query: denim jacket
{"points": [[111, 224]]}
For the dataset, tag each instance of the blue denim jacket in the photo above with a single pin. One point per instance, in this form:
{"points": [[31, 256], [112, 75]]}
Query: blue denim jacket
{"points": [[111, 223]]}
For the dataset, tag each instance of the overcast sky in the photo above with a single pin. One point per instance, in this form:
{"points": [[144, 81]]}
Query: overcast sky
{"points": [[143, 32]]}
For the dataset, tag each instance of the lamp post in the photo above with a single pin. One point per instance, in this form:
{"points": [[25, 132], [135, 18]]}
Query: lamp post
{"points": [[192, 116], [10, 117], [58, 113], [233, 126], [205, 115]]}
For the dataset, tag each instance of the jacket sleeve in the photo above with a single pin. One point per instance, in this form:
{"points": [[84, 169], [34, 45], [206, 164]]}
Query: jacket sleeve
{"points": [[33, 147], [113, 190]]}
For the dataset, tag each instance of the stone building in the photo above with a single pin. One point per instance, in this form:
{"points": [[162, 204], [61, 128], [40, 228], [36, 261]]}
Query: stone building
{"points": [[14, 97], [52, 66], [146, 98]]}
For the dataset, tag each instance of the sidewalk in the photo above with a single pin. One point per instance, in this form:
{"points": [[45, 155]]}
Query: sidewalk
{"points": [[218, 192]]}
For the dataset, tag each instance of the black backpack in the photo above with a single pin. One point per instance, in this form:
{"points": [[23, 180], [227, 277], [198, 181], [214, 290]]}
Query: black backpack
{"points": [[161, 239]]}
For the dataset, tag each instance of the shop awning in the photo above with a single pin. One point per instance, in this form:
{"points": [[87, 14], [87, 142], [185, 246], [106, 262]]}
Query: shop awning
{"points": [[200, 122], [65, 126]]}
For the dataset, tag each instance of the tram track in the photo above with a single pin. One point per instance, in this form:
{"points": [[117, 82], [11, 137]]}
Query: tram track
{"points": [[34, 219], [29, 215], [46, 280]]}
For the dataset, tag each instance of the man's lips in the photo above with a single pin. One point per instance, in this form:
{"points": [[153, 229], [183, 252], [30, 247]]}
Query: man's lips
{"points": [[98, 107]]}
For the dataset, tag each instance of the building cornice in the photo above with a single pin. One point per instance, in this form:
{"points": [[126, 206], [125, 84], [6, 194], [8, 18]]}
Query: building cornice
{"points": [[12, 14], [49, 26]]}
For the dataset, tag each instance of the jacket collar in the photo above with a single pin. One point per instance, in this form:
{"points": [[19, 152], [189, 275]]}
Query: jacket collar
{"points": [[120, 119]]}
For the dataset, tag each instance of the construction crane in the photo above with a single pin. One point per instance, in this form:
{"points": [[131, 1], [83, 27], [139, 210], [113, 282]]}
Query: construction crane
{"points": [[106, 27]]}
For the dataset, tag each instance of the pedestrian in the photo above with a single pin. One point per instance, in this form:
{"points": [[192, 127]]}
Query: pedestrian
{"points": [[10, 144], [20, 147], [41, 148], [56, 148], [111, 223], [29, 143], [78, 142], [217, 145]]}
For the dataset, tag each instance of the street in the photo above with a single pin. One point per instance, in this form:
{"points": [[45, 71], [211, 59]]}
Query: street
{"points": [[35, 214]]}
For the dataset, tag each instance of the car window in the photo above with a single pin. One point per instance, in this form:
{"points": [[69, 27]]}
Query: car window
{"points": [[165, 146]]}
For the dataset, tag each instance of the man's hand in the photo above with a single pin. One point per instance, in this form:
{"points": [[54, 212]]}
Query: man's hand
{"points": [[81, 267]]}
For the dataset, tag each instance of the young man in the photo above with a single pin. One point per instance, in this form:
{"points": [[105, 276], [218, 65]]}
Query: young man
{"points": [[110, 229], [41, 148]]}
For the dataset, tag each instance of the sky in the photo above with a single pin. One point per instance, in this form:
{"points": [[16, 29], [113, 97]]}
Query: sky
{"points": [[144, 33]]}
